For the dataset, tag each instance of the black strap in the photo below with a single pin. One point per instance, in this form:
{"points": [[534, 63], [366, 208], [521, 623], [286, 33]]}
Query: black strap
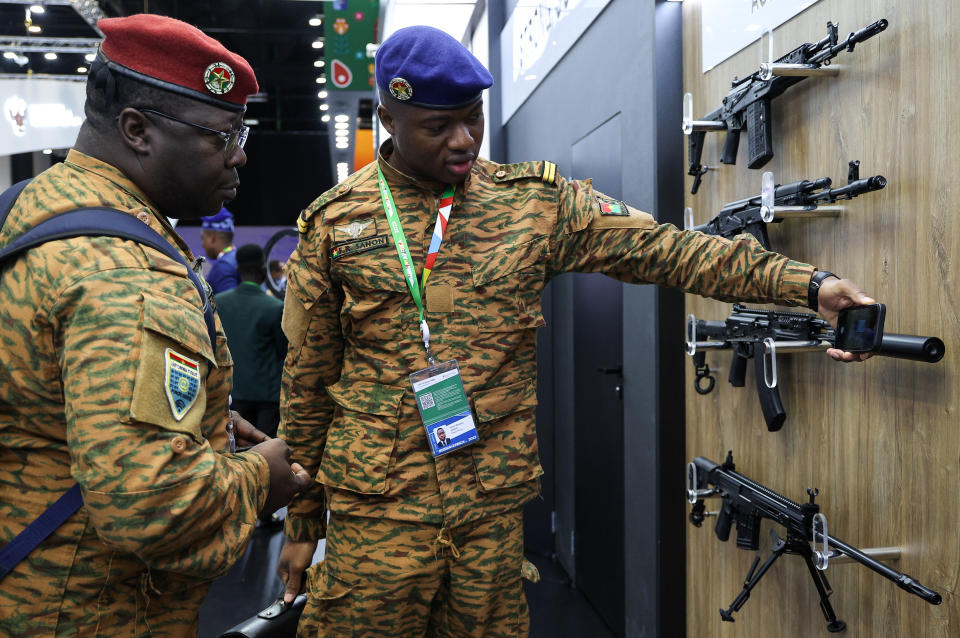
{"points": [[8, 197], [107, 222]]}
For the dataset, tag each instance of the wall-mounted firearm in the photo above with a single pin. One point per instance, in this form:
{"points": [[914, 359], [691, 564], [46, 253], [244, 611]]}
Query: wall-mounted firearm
{"points": [[746, 502], [802, 199], [761, 334], [747, 105]]}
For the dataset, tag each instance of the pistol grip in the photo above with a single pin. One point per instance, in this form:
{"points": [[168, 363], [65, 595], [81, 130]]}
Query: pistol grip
{"points": [[731, 144]]}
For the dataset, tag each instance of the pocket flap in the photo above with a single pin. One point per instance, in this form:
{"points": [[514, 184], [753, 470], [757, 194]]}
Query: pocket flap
{"points": [[499, 263], [367, 397], [178, 320], [497, 403]]}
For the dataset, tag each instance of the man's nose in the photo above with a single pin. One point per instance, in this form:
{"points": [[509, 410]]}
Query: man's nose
{"points": [[461, 139]]}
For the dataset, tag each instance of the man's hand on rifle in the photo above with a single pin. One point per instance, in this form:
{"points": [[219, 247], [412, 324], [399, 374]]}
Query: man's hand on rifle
{"points": [[835, 295]]}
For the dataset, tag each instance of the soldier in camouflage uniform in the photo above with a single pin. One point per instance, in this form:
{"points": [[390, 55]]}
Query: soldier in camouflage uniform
{"points": [[419, 544], [90, 330]]}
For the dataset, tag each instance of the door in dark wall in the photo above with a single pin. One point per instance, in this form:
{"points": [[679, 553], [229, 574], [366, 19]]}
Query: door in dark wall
{"points": [[598, 404]]}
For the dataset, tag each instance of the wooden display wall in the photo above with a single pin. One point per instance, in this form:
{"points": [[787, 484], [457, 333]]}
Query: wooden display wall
{"points": [[881, 440]]}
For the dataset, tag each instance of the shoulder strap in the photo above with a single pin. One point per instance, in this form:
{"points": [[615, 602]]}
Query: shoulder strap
{"points": [[8, 197], [108, 222], [35, 533]]}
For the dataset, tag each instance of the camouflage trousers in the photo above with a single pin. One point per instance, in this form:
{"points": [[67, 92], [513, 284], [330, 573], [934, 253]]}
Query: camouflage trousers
{"points": [[383, 578]]}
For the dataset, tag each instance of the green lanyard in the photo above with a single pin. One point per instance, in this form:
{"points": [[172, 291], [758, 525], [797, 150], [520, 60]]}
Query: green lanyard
{"points": [[403, 252]]}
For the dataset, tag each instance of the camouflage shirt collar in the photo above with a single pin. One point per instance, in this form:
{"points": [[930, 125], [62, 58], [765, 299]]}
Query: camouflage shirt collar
{"points": [[81, 161], [397, 177]]}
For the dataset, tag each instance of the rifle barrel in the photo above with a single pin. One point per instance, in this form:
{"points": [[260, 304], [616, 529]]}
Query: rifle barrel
{"points": [[903, 581]]}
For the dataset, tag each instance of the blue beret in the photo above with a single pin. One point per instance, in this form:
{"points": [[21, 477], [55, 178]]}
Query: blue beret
{"points": [[222, 221], [426, 67]]}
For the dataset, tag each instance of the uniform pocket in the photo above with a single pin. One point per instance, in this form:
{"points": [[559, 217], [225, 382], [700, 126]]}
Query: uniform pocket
{"points": [[507, 287], [362, 438], [506, 453], [175, 355]]}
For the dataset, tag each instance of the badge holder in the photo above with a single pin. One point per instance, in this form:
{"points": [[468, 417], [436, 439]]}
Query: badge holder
{"points": [[443, 407]]}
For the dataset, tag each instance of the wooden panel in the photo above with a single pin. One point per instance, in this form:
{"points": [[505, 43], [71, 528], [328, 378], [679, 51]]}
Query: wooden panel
{"points": [[879, 439]]}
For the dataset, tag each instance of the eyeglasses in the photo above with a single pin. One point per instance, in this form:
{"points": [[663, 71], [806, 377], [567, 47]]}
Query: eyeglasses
{"points": [[232, 140]]}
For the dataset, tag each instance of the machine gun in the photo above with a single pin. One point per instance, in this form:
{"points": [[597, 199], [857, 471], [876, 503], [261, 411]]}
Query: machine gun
{"points": [[776, 203], [747, 105], [761, 334], [746, 502]]}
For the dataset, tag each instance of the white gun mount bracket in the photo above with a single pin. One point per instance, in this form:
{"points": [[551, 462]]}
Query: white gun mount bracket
{"points": [[769, 211], [769, 68]]}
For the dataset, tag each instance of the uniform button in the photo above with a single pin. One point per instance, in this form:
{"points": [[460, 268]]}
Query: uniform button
{"points": [[501, 174], [178, 444], [144, 216], [343, 189]]}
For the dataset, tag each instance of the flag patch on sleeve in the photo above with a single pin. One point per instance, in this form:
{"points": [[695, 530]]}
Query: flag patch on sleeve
{"points": [[612, 207]]}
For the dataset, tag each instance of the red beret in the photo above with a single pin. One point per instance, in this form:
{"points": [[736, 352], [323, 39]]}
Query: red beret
{"points": [[178, 57]]}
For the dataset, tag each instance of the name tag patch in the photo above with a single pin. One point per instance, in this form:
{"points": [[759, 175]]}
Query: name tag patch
{"points": [[181, 382], [358, 246], [612, 207]]}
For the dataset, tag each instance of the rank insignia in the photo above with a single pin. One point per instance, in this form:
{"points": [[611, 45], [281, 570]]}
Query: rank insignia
{"points": [[219, 78], [401, 89], [612, 207], [181, 382]]}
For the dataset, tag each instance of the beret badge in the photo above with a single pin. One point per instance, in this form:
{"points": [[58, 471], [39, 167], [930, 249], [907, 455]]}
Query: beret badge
{"points": [[401, 89], [219, 78]]}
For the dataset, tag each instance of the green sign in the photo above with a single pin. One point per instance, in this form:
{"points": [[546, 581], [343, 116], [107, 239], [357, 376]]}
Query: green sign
{"points": [[348, 28]]}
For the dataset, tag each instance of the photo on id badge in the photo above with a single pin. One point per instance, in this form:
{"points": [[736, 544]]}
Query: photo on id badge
{"points": [[443, 407]]}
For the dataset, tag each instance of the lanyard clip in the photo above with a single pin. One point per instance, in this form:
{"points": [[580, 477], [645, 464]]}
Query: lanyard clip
{"points": [[425, 335]]}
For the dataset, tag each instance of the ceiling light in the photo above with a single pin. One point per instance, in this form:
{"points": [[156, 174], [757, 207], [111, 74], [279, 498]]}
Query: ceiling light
{"points": [[342, 125], [342, 145], [322, 94], [342, 118], [319, 64], [325, 118], [90, 57], [251, 121], [324, 107], [50, 55], [322, 80], [342, 134], [317, 44], [315, 22], [48, 151], [34, 28], [82, 69], [37, 8], [9, 55]]}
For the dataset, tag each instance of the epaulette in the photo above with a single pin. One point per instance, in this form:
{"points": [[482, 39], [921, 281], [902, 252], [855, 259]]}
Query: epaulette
{"points": [[544, 171], [306, 215]]}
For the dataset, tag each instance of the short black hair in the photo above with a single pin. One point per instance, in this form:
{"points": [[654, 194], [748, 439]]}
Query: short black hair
{"points": [[108, 93], [251, 263]]}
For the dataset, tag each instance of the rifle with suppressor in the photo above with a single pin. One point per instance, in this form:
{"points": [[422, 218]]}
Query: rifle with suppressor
{"points": [[747, 105], [761, 334], [746, 502], [776, 203]]}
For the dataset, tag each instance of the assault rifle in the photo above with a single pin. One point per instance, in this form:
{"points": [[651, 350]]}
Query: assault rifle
{"points": [[746, 502], [761, 334], [776, 203], [747, 105]]}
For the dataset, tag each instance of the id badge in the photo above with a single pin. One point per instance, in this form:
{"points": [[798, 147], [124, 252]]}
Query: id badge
{"points": [[443, 407]]}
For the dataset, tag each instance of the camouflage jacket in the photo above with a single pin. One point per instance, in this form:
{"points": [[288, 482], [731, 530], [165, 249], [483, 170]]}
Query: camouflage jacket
{"points": [[347, 409], [87, 328]]}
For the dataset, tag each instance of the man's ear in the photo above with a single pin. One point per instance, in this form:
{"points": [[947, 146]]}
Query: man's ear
{"points": [[135, 130], [386, 118]]}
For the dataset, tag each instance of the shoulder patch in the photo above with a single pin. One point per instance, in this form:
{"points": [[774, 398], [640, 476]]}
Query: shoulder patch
{"points": [[610, 206]]}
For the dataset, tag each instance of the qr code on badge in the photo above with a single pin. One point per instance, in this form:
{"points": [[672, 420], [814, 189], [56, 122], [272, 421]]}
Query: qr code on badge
{"points": [[426, 401]]}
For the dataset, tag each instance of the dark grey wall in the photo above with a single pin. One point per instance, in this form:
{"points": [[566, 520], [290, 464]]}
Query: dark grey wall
{"points": [[627, 64]]}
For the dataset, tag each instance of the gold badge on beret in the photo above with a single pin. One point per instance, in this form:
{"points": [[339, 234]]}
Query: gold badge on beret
{"points": [[401, 89], [219, 78]]}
